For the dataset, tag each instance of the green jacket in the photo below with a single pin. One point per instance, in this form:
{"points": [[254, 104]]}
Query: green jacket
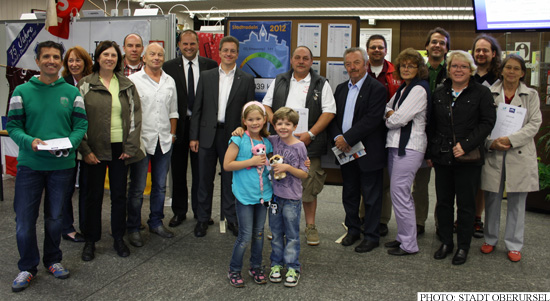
{"points": [[46, 112], [97, 99]]}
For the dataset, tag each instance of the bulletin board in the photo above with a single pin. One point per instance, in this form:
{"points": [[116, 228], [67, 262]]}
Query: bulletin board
{"points": [[326, 37]]}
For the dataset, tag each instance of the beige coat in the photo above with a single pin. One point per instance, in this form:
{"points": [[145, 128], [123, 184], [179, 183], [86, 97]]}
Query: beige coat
{"points": [[521, 160]]}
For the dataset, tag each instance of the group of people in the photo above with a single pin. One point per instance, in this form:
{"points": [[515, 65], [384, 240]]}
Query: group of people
{"points": [[129, 112]]}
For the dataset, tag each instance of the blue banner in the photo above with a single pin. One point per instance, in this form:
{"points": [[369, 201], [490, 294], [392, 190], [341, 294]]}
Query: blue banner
{"points": [[23, 41]]}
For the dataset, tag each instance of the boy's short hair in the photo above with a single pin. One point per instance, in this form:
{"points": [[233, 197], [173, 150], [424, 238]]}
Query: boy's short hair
{"points": [[286, 113]]}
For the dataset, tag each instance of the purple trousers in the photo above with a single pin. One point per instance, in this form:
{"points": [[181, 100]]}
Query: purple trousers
{"points": [[402, 171]]}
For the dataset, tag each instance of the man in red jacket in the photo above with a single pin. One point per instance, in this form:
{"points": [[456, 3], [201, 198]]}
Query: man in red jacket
{"points": [[382, 70]]}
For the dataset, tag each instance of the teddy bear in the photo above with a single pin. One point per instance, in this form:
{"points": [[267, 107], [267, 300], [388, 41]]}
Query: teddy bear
{"points": [[277, 159]]}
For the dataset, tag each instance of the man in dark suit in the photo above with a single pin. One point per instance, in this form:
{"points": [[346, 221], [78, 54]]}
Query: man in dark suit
{"points": [[360, 105], [179, 69], [221, 95]]}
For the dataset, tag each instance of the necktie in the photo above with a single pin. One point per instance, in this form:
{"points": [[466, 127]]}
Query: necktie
{"points": [[190, 87]]}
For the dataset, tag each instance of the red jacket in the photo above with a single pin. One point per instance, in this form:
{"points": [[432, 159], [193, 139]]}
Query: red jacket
{"points": [[386, 78]]}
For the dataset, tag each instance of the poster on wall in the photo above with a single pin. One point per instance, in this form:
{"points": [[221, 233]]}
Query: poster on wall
{"points": [[264, 50]]}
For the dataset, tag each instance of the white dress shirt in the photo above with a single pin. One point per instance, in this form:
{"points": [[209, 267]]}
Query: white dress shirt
{"points": [[225, 84], [159, 104]]}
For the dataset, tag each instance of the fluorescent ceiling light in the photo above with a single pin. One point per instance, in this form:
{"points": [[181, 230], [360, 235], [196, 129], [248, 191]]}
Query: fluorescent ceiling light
{"points": [[332, 9]]}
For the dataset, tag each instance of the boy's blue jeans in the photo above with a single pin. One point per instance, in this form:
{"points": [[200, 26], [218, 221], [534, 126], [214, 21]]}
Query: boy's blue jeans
{"points": [[285, 222], [251, 231]]}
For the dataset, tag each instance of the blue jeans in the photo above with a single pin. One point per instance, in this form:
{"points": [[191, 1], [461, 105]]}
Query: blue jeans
{"points": [[138, 177], [29, 185], [251, 229], [285, 222]]}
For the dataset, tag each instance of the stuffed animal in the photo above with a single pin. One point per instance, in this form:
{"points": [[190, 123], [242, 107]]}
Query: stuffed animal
{"points": [[277, 159], [258, 149]]}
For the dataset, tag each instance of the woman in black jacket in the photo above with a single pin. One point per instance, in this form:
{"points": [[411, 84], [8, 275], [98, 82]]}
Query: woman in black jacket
{"points": [[463, 115]]}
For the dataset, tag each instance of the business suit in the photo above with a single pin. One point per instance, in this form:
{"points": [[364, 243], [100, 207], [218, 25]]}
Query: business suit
{"points": [[175, 68], [363, 175], [213, 137]]}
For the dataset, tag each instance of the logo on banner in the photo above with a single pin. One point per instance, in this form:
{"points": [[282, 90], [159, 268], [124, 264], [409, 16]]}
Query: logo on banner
{"points": [[22, 42]]}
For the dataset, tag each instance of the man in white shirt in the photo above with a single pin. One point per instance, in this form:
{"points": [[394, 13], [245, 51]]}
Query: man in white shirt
{"points": [[157, 91], [301, 87], [221, 95]]}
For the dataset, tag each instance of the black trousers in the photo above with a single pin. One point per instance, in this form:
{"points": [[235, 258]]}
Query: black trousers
{"points": [[461, 181], [368, 184], [207, 173], [118, 173], [180, 191]]}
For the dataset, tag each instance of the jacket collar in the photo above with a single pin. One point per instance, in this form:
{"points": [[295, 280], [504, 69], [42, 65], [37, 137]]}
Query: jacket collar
{"points": [[123, 82]]}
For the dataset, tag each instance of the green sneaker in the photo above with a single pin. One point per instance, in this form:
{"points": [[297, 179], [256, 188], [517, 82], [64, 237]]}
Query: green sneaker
{"points": [[275, 274], [292, 277]]}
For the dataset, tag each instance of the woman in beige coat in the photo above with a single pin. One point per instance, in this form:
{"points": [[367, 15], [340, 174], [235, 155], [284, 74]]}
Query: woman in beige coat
{"points": [[511, 161]]}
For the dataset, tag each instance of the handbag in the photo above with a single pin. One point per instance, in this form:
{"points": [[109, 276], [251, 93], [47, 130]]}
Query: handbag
{"points": [[470, 157]]}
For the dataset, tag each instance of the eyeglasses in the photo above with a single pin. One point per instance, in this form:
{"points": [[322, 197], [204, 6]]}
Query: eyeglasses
{"points": [[377, 47], [408, 67], [460, 67]]}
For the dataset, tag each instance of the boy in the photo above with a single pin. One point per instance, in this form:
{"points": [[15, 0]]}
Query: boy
{"points": [[286, 206]]}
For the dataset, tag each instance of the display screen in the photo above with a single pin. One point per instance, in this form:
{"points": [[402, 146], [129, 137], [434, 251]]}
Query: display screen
{"points": [[512, 15]]}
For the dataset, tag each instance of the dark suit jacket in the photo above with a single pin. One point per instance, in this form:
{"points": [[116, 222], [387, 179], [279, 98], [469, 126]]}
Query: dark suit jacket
{"points": [[205, 111], [69, 79], [174, 68], [368, 122]]}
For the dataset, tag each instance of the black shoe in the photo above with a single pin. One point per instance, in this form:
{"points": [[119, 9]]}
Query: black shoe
{"points": [[162, 231], [399, 252], [88, 251], [392, 244], [200, 229], [420, 229], [366, 246], [210, 222], [443, 251], [77, 237], [460, 257], [349, 239], [383, 229], [233, 227], [121, 248], [176, 220], [135, 239]]}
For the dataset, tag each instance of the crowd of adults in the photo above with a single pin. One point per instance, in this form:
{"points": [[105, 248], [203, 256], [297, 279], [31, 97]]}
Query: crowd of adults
{"points": [[131, 111]]}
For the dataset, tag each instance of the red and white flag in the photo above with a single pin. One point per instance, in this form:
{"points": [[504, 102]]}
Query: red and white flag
{"points": [[59, 19]]}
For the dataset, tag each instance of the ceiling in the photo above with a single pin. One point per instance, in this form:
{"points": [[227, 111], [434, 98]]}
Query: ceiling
{"points": [[365, 9]]}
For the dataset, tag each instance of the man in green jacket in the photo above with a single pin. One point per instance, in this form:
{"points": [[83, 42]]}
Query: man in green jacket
{"points": [[44, 108]]}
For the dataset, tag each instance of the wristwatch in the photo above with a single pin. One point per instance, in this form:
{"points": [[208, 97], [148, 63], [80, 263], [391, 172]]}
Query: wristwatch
{"points": [[311, 136]]}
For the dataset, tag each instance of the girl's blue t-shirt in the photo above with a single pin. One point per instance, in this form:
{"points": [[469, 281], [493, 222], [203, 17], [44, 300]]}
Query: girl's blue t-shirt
{"points": [[246, 182]]}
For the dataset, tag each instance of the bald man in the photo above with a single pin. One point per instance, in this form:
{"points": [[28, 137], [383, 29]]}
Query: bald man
{"points": [[158, 96]]}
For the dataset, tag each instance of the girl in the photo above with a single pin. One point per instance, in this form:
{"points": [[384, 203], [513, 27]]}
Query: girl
{"points": [[251, 187]]}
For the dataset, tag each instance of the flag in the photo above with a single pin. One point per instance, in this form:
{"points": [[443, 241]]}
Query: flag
{"points": [[63, 12]]}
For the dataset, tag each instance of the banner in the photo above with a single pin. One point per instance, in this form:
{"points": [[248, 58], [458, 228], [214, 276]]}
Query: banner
{"points": [[264, 50]]}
